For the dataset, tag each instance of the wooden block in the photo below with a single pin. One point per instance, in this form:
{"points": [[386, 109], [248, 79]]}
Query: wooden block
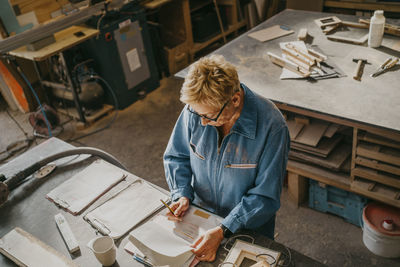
{"points": [[377, 152], [380, 192], [294, 128], [330, 29], [376, 176], [327, 21], [374, 164], [332, 129], [380, 140], [312, 133], [302, 35], [302, 120], [297, 187], [359, 41]]}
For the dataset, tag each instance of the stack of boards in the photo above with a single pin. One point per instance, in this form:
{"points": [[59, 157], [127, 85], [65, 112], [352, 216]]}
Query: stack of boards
{"points": [[319, 143]]}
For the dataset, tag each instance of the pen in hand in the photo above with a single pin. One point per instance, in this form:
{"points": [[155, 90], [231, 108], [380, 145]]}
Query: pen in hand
{"points": [[166, 205]]}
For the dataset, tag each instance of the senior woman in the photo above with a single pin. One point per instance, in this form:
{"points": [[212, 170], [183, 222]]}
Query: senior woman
{"points": [[227, 154]]}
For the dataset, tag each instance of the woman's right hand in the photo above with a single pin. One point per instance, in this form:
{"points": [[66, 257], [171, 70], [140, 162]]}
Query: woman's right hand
{"points": [[179, 207]]}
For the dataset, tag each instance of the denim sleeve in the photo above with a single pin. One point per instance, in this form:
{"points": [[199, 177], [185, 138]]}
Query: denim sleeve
{"points": [[177, 160], [263, 200]]}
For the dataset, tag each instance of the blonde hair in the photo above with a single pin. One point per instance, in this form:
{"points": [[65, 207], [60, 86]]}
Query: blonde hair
{"points": [[211, 80]]}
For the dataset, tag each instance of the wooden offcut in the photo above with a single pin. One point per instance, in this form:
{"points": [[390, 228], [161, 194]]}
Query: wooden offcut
{"points": [[312, 133], [377, 176]]}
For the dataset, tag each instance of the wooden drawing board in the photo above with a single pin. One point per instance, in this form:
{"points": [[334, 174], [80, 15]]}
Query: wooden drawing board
{"points": [[242, 251], [270, 33], [26, 250]]}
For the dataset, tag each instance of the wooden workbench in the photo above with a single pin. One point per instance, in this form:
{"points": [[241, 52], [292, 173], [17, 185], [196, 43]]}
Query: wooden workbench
{"points": [[371, 106], [65, 39], [28, 209]]}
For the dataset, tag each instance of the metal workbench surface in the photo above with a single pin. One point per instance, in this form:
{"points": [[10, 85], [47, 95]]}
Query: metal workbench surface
{"points": [[373, 101], [28, 209]]}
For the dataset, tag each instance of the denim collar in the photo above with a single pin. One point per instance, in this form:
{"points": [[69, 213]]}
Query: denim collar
{"points": [[246, 124]]}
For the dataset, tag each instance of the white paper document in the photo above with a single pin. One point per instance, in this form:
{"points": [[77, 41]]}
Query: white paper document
{"points": [[126, 209], [167, 242], [78, 192]]}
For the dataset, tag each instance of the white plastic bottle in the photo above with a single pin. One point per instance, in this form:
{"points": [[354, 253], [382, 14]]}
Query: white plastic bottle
{"points": [[376, 29]]}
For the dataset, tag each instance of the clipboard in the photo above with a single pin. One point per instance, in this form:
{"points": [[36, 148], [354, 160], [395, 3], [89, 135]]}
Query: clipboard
{"points": [[78, 192], [126, 209]]}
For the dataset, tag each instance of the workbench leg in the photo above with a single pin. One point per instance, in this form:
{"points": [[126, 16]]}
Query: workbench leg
{"points": [[297, 187]]}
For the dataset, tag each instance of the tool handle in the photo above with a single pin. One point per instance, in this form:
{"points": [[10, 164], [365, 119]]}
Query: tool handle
{"points": [[391, 64], [357, 73]]}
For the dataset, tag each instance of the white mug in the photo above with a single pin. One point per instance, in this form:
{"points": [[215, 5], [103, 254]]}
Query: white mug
{"points": [[104, 249]]}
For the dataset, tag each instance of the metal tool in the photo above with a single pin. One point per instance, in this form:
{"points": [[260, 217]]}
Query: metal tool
{"points": [[360, 68], [389, 63]]}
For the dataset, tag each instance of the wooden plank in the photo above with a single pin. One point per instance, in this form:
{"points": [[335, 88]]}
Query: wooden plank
{"points": [[332, 129], [390, 7], [297, 187], [376, 139], [379, 192], [64, 39], [376, 176], [358, 41], [312, 133], [325, 146], [384, 154], [319, 174], [353, 152], [392, 134], [26, 250], [334, 161], [294, 128], [377, 165]]}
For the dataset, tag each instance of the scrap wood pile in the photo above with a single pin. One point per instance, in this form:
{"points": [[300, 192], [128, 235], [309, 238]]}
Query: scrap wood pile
{"points": [[303, 61]]}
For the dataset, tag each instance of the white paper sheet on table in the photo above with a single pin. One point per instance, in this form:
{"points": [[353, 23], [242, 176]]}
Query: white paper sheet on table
{"points": [[126, 209], [159, 241], [78, 192]]}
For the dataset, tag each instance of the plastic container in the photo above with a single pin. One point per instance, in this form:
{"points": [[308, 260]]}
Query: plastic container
{"points": [[376, 29], [334, 200], [381, 233]]}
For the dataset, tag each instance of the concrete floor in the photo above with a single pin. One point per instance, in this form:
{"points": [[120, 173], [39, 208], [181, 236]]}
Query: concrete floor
{"points": [[138, 138]]}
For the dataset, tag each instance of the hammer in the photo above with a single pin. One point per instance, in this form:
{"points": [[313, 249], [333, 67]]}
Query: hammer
{"points": [[360, 68]]}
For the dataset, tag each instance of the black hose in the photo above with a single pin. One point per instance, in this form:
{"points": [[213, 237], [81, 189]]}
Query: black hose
{"points": [[15, 180]]}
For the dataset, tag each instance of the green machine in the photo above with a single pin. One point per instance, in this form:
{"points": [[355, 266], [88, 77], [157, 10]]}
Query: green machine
{"points": [[123, 54]]}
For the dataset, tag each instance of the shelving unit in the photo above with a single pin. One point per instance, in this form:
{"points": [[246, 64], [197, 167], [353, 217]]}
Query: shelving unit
{"points": [[375, 162], [391, 9], [177, 29]]}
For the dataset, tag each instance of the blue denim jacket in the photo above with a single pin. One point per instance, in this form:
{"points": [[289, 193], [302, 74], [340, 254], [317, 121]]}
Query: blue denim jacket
{"points": [[242, 179]]}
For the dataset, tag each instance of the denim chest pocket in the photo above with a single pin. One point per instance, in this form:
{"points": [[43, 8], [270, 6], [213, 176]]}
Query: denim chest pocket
{"points": [[241, 165], [197, 151]]}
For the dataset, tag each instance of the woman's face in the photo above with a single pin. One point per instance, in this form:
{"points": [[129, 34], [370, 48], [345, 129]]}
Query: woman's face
{"points": [[228, 111]]}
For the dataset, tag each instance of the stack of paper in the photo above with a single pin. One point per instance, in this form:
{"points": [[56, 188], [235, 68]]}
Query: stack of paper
{"points": [[166, 242]]}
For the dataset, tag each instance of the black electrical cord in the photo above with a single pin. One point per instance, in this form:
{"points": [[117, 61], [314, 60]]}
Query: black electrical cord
{"points": [[17, 179]]}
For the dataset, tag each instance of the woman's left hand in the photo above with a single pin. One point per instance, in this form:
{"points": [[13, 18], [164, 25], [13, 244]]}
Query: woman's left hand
{"points": [[206, 246]]}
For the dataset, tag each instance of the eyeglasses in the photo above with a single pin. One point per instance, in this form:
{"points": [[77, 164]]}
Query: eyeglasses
{"points": [[204, 116]]}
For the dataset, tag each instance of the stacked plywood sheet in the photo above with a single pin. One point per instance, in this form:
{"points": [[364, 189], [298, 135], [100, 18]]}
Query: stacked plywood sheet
{"points": [[319, 143], [376, 167]]}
